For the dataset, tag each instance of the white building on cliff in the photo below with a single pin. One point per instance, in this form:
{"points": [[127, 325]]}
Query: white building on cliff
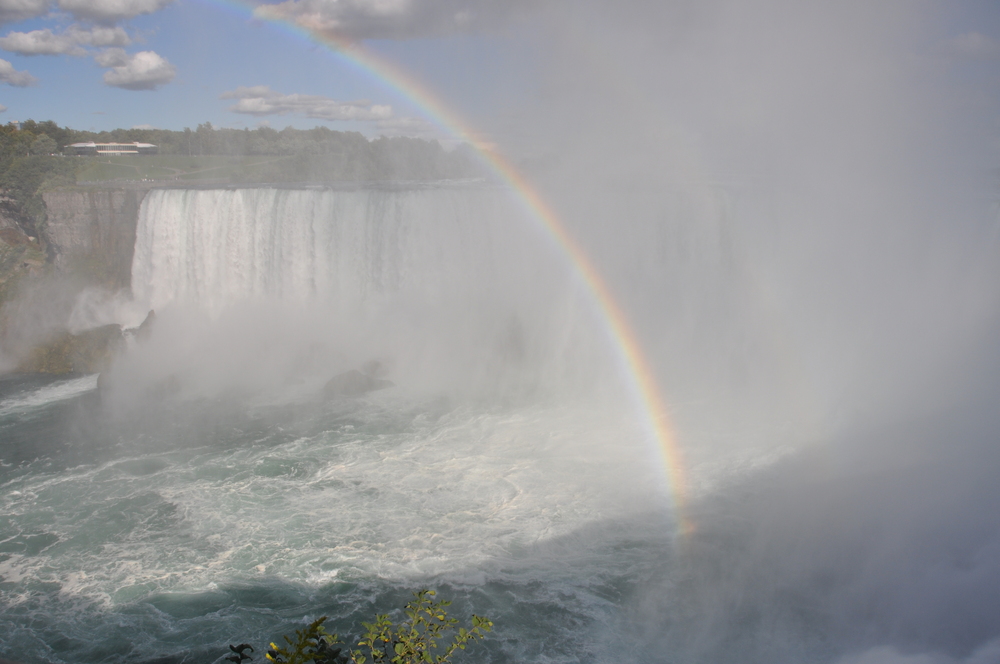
{"points": [[112, 149]]}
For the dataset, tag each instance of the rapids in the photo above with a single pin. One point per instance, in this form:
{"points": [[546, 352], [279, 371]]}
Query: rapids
{"points": [[209, 495]]}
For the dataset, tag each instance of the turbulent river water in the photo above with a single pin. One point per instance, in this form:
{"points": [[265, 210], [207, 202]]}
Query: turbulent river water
{"points": [[150, 524], [167, 533], [210, 493]]}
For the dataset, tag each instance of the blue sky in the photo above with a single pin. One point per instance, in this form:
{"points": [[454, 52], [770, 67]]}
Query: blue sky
{"points": [[178, 63], [207, 48]]}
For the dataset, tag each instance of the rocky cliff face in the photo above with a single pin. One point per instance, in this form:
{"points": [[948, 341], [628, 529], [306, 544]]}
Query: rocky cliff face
{"points": [[90, 238], [92, 232], [91, 351]]}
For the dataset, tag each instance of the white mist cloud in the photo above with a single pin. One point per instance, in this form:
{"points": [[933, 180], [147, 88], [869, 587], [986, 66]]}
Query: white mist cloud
{"points": [[986, 654], [392, 19], [70, 42], [145, 70], [110, 11], [260, 100], [11, 76], [18, 10], [888, 655]]}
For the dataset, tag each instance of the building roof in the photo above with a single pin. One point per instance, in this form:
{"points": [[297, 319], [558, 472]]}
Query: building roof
{"points": [[92, 144]]}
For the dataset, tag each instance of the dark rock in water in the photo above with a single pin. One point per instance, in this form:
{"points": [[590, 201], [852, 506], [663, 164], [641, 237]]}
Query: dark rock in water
{"points": [[145, 329], [90, 351], [353, 383], [373, 368], [168, 387]]}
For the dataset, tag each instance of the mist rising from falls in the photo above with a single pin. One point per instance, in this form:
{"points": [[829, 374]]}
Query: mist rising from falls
{"points": [[779, 199], [211, 488], [447, 286]]}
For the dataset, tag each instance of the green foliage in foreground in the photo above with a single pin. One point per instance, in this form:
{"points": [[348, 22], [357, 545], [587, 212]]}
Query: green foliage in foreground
{"points": [[409, 642], [412, 640]]}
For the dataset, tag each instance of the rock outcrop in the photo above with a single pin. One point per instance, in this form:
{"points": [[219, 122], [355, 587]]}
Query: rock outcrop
{"points": [[353, 383], [20, 255], [91, 232], [91, 351], [145, 329], [88, 238]]}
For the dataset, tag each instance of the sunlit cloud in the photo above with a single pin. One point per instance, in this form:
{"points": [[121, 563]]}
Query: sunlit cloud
{"points": [[145, 70], [69, 42], [3, 109], [112, 57], [391, 19], [18, 10], [260, 100], [110, 11], [11, 76], [99, 11]]}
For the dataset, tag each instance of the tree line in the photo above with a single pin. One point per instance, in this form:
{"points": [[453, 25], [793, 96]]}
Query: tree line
{"points": [[207, 140], [27, 163]]}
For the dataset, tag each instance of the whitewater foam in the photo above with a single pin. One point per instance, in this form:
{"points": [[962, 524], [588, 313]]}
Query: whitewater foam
{"points": [[63, 390]]}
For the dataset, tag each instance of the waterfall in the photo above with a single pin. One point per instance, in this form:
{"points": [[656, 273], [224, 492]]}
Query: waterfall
{"points": [[216, 247], [452, 283]]}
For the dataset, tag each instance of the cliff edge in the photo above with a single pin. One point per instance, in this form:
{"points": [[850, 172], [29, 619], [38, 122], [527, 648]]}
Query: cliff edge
{"points": [[91, 232]]}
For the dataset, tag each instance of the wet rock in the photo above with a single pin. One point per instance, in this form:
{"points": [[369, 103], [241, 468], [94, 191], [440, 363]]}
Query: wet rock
{"points": [[13, 237], [145, 329], [90, 351], [92, 231], [353, 383]]}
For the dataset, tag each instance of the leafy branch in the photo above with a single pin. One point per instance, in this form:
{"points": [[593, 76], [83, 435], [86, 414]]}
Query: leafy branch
{"points": [[313, 644], [410, 642]]}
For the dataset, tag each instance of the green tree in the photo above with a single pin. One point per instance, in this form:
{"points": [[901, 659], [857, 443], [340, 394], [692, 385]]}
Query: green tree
{"points": [[312, 644], [43, 145], [412, 641]]}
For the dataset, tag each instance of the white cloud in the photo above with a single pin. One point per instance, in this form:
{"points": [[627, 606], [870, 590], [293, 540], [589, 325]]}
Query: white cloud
{"points": [[143, 126], [112, 57], [18, 10], [972, 45], [70, 42], [101, 36], [99, 11], [3, 109], [261, 100], [109, 11], [145, 70], [391, 19], [13, 77]]}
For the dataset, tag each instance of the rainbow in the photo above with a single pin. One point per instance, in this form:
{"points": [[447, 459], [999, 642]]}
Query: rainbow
{"points": [[647, 391]]}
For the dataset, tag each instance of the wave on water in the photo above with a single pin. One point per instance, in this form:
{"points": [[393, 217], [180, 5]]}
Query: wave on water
{"points": [[176, 547], [30, 399]]}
